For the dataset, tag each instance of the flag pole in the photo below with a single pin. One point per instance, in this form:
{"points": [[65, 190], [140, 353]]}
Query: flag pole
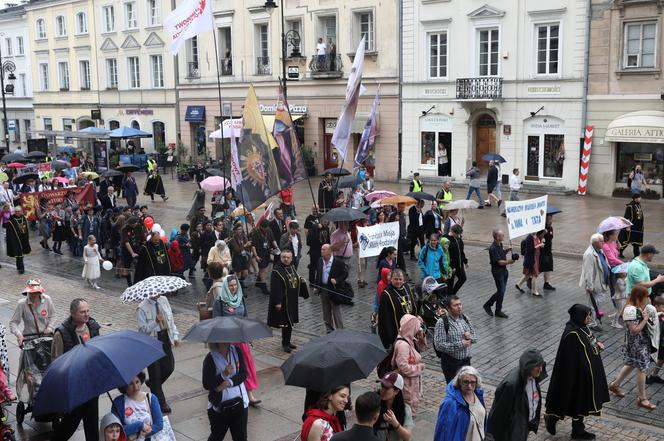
{"points": [[221, 109]]}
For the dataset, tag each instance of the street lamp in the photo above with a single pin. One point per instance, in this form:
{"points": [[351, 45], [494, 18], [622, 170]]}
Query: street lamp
{"points": [[270, 6]]}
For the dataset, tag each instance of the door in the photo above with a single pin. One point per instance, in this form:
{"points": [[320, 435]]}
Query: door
{"points": [[330, 155], [485, 140], [532, 166]]}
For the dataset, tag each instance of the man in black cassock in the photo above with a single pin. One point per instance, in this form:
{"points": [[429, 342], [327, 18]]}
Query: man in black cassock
{"points": [[578, 385], [634, 234], [285, 287], [152, 259], [326, 194], [18, 238], [154, 185]]}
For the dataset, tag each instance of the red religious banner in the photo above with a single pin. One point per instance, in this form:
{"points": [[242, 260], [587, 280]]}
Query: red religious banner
{"points": [[30, 201]]}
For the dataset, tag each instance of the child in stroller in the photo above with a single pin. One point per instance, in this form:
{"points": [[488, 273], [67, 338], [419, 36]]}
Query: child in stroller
{"points": [[433, 298]]}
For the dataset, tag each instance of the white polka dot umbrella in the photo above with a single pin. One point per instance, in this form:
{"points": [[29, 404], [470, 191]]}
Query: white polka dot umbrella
{"points": [[152, 287]]}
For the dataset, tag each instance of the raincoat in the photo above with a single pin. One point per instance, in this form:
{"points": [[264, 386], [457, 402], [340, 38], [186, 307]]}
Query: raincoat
{"points": [[407, 360], [454, 415]]}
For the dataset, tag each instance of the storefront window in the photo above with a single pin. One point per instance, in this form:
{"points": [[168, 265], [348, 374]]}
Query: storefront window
{"points": [[533, 156], [554, 155], [159, 135], [428, 148], [649, 156]]}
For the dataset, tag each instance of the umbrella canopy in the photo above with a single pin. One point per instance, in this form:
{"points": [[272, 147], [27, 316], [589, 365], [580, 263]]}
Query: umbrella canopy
{"points": [[613, 223], [93, 368], [110, 173], [16, 165], [343, 214], [378, 194], [239, 211], [26, 177], [4, 177], [340, 357], [12, 157], [61, 180], [461, 204], [228, 329], [95, 131], [214, 172], [127, 168], [59, 165], [36, 155], [553, 210], [215, 183], [91, 174], [152, 287], [337, 171], [128, 132], [421, 196], [347, 182], [398, 199], [493, 157], [68, 149]]}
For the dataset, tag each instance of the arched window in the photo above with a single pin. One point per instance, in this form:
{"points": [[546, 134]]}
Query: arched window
{"points": [[41, 28], [112, 125], [137, 141], [159, 135], [81, 23], [60, 26]]}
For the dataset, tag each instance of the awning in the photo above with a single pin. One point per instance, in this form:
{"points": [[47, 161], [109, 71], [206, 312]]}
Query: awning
{"points": [[645, 126], [269, 119], [195, 114], [360, 121]]}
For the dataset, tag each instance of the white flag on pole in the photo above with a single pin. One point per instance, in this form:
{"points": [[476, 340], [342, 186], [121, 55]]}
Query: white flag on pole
{"points": [[188, 20], [342, 131]]}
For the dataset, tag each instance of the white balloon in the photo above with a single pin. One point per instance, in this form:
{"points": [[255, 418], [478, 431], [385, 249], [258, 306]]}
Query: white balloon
{"points": [[162, 233], [156, 228], [107, 265]]}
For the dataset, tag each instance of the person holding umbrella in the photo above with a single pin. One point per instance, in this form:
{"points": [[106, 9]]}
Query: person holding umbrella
{"points": [[129, 189], [77, 329]]}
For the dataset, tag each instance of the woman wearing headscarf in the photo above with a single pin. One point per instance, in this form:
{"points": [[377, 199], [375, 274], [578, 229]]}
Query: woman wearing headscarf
{"points": [[578, 385], [408, 360], [220, 253]]}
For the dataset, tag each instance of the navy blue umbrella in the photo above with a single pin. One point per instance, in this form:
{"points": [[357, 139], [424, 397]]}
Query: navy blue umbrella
{"points": [[93, 368], [493, 157], [553, 210]]}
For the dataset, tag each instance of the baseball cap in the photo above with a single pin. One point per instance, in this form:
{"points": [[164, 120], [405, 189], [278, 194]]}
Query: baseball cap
{"points": [[649, 249], [392, 379]]}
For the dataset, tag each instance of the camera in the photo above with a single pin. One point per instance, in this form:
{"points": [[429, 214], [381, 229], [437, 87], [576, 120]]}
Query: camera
{"points": [[515, 256]]}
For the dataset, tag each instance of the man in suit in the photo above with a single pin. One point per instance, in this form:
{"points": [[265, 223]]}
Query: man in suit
{"points": [[109, 199], [278, 224], [416, 227], [330, 275], [220, 232], [292, 241]]}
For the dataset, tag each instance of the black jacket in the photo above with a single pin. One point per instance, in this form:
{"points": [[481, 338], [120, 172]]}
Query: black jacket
{"points": [[107, 203], [457, 254], [277, 229], [338, 272], [529, 254], [356, 433], [211, 379], [391, 309], [68, 331], [414, 220], [430, 224]]}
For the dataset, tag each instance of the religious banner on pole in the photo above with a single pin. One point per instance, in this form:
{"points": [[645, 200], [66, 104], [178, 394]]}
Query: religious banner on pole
{"points": [[376, 237], [288, 156], [30, 201], [525, 217], [368, 138]]}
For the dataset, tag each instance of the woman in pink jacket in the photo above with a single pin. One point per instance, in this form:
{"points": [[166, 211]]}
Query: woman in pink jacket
{"points": [[611, 250], [408, 360]]}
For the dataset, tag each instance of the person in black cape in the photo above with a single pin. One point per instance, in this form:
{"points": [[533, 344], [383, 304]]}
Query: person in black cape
{"points": [[154, 185], [634, 234], [285, 288], [152, 259], [326, 194], [18, 238], [397, 300], [578, 386]]}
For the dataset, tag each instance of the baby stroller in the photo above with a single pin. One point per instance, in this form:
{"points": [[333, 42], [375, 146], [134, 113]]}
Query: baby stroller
{"points": [[35, 359], [433, 298]]}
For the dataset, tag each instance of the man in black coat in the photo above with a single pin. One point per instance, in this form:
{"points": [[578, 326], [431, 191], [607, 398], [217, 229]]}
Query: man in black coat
{"points": [[331, 276], [326, 194], [518, 401], [397, 300], [18, 238], [152, 259], [458, 259], [433, 221], [367, 411], [108, 199], [278, 224], [416, 227], [318, 235]]}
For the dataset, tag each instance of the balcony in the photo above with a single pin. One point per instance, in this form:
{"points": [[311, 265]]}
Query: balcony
{"points": [[227, 66], [326, 67], [192, 71], [263, 66], [479, 89]]}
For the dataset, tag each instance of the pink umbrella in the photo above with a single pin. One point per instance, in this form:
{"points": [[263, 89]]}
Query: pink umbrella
{"points": [[61, 180], [378, 194], [613, 223], [215, 183]]}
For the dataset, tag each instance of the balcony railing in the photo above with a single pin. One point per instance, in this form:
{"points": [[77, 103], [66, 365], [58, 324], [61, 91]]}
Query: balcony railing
{"points": [[326, 66], [263, 66], [227, 66], [481, 88], [192, 70]]}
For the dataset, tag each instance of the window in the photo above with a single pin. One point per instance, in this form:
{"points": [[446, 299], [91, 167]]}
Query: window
{"points": [[17, 132], [365, 24], [111, 73], [130, 15], [262, 49], [20, 48], [81, 23], [23, 84], [554, 155], [41, 29], [28, 127], [547, 49], [640, 42], [60, 26], [225, 45], [137, 126], [192, 58], [158, 134], [294, 50], [154, 13], [488, 52], [157, 68], [43, 77], [108, 18], [8, 43], [48, 123], [63, 75], [84, 72], [438, 55], [428, 153], [68, 126], [134, 73]]}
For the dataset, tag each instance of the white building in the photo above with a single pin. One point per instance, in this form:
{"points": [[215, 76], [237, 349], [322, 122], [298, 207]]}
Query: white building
{"points": [[504, 77], [15, 49]]}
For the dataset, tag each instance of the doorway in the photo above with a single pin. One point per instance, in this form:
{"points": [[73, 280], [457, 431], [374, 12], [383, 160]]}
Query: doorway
{"points": [[330, 155], [485, 140]]}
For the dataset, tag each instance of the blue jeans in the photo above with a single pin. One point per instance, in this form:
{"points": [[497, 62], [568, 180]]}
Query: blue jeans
{"points": [[500, 278], [476, 190]]}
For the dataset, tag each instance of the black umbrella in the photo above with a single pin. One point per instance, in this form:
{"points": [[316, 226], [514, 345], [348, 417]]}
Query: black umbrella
{"points": [[340, 357], [553, 210], [214, 172], [59, 165], [336, 171], [228, 329], [347, 182], [110, 173], [26, 177], [127, 168], [343, 214], [36, 155], [12, 157], [421, 196]]}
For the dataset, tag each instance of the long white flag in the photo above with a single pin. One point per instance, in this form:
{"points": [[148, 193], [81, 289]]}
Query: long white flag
{"points": [[342, 131], [188, 20]]}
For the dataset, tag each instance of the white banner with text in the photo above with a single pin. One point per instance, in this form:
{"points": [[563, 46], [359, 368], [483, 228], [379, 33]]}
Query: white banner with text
{"points": [[525, 217], [376, 237]]}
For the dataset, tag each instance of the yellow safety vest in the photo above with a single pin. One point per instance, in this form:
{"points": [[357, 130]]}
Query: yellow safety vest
{"points": [[447, 198], [416, 186], [151, 165]]}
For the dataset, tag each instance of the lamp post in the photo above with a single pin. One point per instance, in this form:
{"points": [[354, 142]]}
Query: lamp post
{"points": [[9, 67], [270, 6]]}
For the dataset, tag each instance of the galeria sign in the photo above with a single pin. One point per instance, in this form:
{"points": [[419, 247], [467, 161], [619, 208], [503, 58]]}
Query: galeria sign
{"points": [[525, 217], [376, 237]]}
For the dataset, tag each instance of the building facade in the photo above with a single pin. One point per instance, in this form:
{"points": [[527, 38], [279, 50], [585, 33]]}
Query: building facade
{"points": [[505, 77], [626, 93], [15, 48], [249, 51]]}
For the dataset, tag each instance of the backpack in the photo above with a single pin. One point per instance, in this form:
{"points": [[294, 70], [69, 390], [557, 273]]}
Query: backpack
{"points": [[386, 366], [446, 324]]}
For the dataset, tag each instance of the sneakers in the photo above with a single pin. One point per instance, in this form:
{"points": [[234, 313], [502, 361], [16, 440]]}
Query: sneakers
{"points": [[501, 314], [549, 287], [652, 379], [488, 310]]}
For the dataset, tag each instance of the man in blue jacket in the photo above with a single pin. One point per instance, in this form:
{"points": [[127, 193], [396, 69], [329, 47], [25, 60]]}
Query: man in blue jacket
{"points": [[432, 259]]}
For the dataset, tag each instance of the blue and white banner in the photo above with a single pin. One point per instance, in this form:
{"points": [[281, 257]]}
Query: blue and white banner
{"points": [[525, 217], [373, 239]]}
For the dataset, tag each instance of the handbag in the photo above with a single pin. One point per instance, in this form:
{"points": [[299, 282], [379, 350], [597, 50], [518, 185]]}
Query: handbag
{"points": [[166, 433]]}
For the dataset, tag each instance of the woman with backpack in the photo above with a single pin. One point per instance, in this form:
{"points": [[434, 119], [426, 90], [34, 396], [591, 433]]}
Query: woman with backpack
{"points": [[408, 360]]}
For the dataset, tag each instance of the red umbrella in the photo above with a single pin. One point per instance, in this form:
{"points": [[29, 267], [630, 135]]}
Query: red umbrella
{"points": [[15, 165]]}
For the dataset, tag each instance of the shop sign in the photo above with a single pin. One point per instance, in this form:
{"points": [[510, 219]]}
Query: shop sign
{"points": [[436, 122], [544, 90], [545, 125], [139, 112], [293, 72], [330, 125], [435, 91], [272, 108], [11, 125], [636, 134]]}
